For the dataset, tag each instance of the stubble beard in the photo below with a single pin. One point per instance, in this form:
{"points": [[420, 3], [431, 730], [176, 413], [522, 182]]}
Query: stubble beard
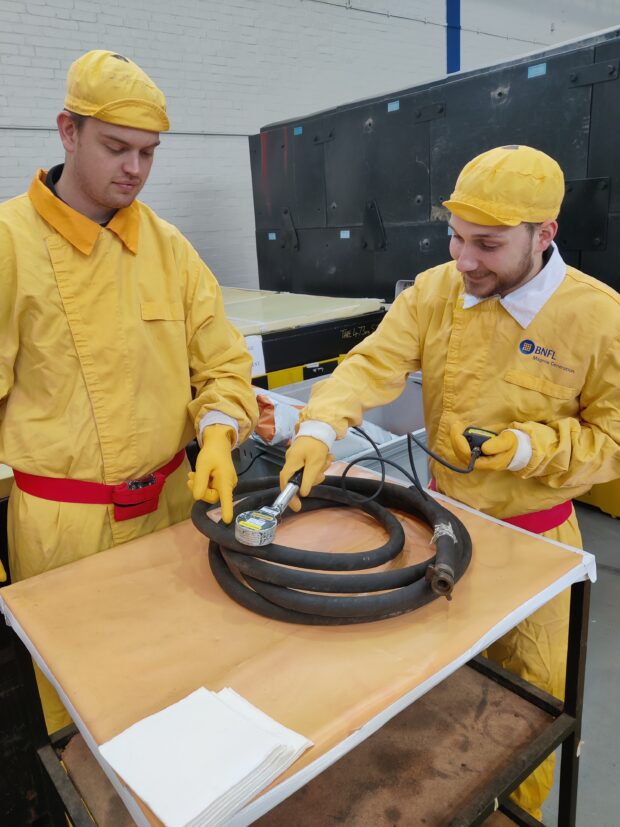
{"points": [[506, 283]]}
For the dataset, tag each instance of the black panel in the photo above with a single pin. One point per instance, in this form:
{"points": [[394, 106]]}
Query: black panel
{"points": [[379, 153], [506, 106], [410, 250], [377, 170], [319, 369], [584, 229], [273, 252], [571, 257], [324, 259], [288, 175], [604, 158], [307, 152], [261, 382], [332, 262], [605, 264], [283, 349], [271, 179]]}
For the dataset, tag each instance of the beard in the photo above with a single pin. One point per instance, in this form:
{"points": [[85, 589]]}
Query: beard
{"points": [[486, 283]]}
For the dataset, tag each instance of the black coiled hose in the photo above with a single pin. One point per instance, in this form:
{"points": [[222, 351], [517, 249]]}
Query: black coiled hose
{"points": [[300, 586]]}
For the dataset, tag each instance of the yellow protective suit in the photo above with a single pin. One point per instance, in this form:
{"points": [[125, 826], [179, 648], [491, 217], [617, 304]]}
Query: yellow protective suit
{"points": [[476, 369], [559, 381], [113, 346]]}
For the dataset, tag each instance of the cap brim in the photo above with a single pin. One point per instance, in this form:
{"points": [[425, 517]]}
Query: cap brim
{"points": [[135, 113], [478, 216]]}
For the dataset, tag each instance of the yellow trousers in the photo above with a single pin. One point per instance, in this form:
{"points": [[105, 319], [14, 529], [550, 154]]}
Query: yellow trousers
{"points": [[536, 651]]}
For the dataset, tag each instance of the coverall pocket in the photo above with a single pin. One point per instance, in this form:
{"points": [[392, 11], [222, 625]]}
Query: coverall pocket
{"points": [[538, 383], [162, 311]]}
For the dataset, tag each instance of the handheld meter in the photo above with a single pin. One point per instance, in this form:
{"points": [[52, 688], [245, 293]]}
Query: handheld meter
{"points": [[258, 528], [476, 437]]}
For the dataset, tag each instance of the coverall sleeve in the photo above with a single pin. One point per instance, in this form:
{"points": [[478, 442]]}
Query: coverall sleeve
{"points": [[219, 361], [584, 450], [9, 329], [373, 373]]}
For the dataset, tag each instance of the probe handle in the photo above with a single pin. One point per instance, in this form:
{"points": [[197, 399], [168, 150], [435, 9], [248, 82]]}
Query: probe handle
{"points": [[290, 490]]}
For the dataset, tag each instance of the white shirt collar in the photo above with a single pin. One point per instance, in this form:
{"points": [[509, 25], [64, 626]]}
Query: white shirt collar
{"points": [[524, 303]]}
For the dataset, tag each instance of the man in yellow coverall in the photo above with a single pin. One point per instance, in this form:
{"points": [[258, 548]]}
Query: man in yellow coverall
{"points": [[115, 351], [510, 339]]}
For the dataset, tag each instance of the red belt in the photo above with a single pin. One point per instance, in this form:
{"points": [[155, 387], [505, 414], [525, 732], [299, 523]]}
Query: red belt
{"points": [[133, 498], [537, 521]]}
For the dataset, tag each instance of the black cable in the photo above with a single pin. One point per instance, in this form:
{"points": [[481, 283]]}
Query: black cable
{"points": [[312, 587], [251, 463], [383, 462], [412, 463], [377, 456], [474, 456]]}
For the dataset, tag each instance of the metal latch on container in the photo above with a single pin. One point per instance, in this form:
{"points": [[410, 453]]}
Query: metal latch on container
{"points": [[429, 113], [291, 237], [373, 231], [594, 73], [322, 136]]}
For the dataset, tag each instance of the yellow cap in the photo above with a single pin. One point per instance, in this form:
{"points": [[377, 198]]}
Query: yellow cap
{"points": [[112, 88], [508, 185]]}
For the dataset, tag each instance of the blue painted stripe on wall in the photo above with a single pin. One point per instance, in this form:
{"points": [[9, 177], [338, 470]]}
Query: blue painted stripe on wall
{"points": [[453, 35]]}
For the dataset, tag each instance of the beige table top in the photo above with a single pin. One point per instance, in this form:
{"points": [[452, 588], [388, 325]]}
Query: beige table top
{"points": [[131, 630], [265, 311]]}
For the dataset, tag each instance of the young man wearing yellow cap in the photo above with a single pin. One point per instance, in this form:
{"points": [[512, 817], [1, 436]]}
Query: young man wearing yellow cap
{"points": [[512, 340], [115, 351]]}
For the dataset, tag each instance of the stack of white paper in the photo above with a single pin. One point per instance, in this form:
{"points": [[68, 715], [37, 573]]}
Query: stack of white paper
{"points": [[200, 760]]}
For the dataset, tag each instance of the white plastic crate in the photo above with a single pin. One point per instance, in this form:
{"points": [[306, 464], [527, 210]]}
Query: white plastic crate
{"points": [[400, 417]]}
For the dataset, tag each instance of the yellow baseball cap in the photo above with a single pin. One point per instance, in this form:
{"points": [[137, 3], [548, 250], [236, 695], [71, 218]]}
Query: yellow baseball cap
{"points": [[114, 89], [508, 185]]}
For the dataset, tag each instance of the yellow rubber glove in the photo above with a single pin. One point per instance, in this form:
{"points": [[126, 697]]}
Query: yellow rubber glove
{"points": [[460, 445], [313, 456], [498, 451], [3, 577], [215, 477]]}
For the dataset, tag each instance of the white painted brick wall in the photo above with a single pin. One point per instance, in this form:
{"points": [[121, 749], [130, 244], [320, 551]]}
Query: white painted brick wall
{"points": [[496, 30], [230, 66]]}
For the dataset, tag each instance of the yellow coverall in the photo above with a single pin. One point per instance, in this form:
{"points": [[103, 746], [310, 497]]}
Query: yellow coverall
{"points": [[113, 346], [564, 392]]}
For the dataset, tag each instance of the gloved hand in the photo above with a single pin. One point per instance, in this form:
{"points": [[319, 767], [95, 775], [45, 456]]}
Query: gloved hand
{"points": [[497, 452], [215, 476], [313, 456]]}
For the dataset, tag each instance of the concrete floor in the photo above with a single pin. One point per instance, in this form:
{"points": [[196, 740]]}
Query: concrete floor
{"points": [[598, 800]]}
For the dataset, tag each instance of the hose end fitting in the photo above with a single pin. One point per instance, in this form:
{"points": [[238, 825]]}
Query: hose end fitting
{"points": [[441, 578]]}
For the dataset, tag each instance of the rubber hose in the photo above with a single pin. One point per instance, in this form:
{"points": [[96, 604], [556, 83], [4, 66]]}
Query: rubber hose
{"points": [[283, 583]]}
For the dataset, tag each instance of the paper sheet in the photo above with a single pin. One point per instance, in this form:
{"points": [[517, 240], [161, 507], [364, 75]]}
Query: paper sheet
{"points": [[199, 760]]}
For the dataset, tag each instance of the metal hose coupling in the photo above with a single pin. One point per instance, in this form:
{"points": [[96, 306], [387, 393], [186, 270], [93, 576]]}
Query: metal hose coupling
{"points": [[441, 578]]}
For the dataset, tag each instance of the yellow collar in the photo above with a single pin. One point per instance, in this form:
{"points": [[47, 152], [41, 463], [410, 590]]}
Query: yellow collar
{"points": [[77, 228]]}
